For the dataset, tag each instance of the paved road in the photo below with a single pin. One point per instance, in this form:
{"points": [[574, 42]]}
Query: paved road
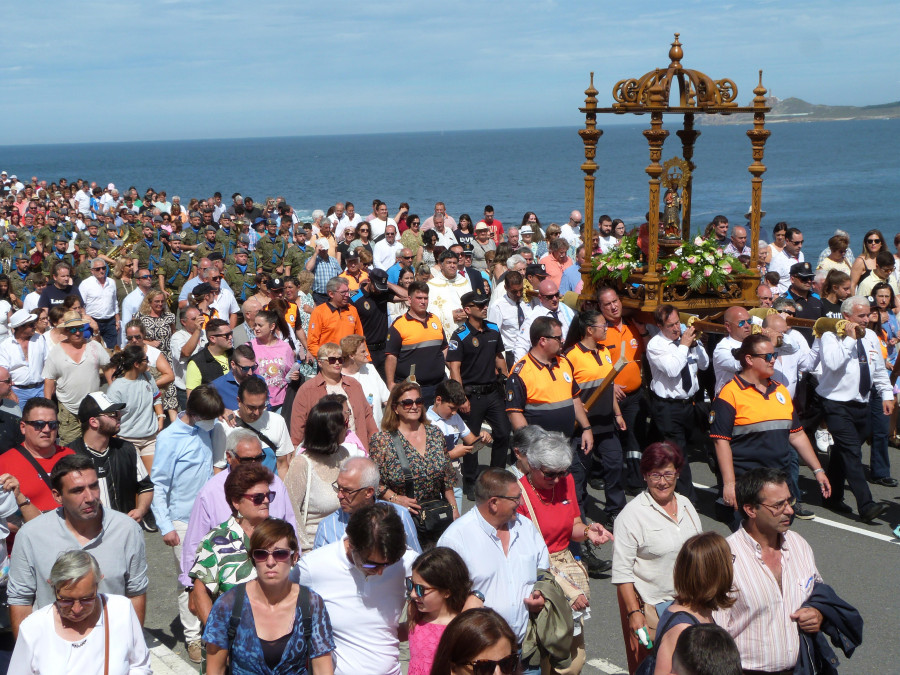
{"points": [[862, 563]]}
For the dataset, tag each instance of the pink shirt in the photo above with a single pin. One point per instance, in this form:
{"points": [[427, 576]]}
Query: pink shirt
{"points": [[423, 643], [275, 360]]}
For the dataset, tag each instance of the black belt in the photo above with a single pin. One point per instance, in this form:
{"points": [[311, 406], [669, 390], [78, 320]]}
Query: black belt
{"points": [[31, 385], [656, 396], [479, 389], [112, 318], [376, 346]]}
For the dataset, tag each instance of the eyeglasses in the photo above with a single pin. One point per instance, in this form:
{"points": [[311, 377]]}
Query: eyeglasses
{"points": [[551, 295], [769, 357], [223, 335], [98, 269], [38, 425], [247, 369], [599, 326], [788, 313], [418, 588], [873, 241], [743, 322], [69, 602], [143, 276], [280, 555], [780, 507], [507, 665], [406, 257], [133, 338], [515, 500], [409, 403], [797, 243], [656, 476], [338, 489], [333, 360], [553, 337], [259, 497], [253, 460]]}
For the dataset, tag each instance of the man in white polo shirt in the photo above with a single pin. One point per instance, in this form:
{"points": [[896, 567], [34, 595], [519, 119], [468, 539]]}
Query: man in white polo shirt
{"points": [[98, 292]]}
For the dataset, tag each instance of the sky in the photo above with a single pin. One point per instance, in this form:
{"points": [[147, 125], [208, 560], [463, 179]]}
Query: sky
{"points": [[135, 70]]}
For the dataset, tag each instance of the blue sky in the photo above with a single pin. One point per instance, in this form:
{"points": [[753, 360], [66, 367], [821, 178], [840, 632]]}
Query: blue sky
{"points": [[174, 69]]}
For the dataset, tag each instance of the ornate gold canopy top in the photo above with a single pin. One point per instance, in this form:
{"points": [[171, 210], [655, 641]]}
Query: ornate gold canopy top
{"points": [[697, 92]]}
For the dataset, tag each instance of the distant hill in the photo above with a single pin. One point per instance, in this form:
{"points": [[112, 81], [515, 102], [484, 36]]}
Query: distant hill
{"points": [[798, 110]]}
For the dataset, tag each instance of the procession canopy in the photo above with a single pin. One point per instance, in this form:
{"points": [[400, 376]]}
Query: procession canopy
{"points": [[668, 223]]}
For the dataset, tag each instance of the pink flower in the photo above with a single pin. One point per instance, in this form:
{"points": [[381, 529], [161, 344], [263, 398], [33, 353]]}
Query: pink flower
{"points": [[707, 271], [686, 274], [698, 241], [672, 266], [627, 256], [726, 268], [692, 260], [620, 266]]}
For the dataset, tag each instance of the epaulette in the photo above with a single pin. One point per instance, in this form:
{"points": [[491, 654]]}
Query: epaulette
{"points": [[356, 296], [519, 366], [492, 326], [462, 332]]}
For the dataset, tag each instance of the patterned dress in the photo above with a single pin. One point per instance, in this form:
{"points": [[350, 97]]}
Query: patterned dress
{"points": [[432, 472], [161, 328], [223, 560], [307, 370]]}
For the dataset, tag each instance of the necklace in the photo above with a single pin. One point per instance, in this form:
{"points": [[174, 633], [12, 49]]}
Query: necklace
{"points": [[79, 645], [537, 492]]}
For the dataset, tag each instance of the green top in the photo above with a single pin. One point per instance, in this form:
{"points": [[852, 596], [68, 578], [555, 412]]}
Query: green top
{"points": [[223, 559]]}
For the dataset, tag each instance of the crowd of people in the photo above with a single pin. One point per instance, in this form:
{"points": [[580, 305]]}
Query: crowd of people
{"points": [[297, 409]]}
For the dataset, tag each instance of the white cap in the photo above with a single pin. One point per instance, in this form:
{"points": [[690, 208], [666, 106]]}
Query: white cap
{"points": [[321, 243], [21, 317], [526, 229], [111, 186]]}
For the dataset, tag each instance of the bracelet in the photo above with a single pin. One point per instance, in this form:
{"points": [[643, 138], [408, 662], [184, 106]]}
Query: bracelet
{"points": [[619, 415], [634, 611], [819, 470]]}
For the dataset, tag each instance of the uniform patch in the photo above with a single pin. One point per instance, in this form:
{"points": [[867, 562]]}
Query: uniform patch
{"points": [[366, 305], [474, 342], [608, 360], [518, 367], [567, 378], [633, 343], [433, 325], [453, 344], [509, 395], [780, 398], [712, 416]]}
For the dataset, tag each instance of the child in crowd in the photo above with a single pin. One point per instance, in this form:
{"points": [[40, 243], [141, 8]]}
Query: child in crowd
{"points": [[458, 439], [438, 591]]}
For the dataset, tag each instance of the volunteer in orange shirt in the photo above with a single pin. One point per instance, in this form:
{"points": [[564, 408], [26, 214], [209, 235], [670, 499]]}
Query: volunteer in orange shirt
{"points": [[334, 319]]}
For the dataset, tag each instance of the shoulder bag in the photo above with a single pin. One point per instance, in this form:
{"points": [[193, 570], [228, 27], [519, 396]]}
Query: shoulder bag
{"points": [[435, 515]]}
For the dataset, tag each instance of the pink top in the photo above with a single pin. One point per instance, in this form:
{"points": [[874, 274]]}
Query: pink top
{"points": [[423, 643], [275, 360]]}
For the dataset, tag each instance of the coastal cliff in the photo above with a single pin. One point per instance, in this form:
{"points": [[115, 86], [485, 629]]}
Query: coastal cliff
{"points": [[798, 110]]}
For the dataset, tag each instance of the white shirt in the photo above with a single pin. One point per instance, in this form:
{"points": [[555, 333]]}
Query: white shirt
{"points": [[523, 343], [505, 314], [179, 363], [374, 388], [30, 302], [446, 238], [568, 233], [378, 227], [40, 649], [667, 359], [724, 363], [13, 359], [607, 244], [8, 507], [131, 305], [781, 263], [344, 223], [364, 611], [225, 304], [505, 579], [83, 200], [647, 542], [839, 380], [272, 426], [384, 255], [794, 357], [5, 308], [100, 301]]}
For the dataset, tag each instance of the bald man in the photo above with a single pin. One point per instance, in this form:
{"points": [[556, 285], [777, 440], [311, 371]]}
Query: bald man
{"points": [[738, 244], [737, 327], [571, 231], [548, 305]]}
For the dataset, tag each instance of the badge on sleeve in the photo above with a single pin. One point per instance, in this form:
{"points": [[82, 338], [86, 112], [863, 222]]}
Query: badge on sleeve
{"points": [[453, 344], [712, 416], [509, 395], [434, 325]]}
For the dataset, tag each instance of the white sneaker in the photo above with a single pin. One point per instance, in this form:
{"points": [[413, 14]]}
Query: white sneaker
{"points": [[823, 440]]}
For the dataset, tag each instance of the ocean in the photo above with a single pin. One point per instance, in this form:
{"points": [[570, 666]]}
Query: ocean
{"points": [[821, 175]]}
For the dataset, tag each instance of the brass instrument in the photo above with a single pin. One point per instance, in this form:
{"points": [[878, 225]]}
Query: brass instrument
{"points": [[125, 246], [830, 325]]}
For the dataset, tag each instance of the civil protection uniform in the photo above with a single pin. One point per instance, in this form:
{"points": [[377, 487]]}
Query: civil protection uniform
{"points": [[851, 370], [477, 352], [420, 344], [590, 367], [674, 382], [544, 394], [630, 379]]}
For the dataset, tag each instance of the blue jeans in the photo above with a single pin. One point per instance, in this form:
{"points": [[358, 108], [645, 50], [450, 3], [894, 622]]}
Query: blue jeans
{"points": [[26, 394], [879, 463]]}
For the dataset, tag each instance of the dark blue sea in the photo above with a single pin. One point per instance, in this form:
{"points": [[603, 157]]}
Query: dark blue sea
{"points": [[821, 175]]}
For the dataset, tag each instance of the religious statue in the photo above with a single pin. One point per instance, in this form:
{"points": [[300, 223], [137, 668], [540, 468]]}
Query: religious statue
{"points": [[676, 177]]}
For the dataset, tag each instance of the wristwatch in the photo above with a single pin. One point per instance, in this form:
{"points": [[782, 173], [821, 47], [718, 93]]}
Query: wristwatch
{"points": [[477, 594], [25, 503]]}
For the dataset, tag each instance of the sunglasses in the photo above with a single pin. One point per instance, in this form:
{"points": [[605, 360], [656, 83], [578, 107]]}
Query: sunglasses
{"points": [[247, 369], [553, 475], [409, 403], [75, 330], [369, 565], [418, 588], [768, 357], [507, 665], [223, 335], [133, 338], [873, 241], [280, 555], [553, 337], [743, 322], [38, 425], [253, 460], [259, 497], [144, 276], [332, 360]]}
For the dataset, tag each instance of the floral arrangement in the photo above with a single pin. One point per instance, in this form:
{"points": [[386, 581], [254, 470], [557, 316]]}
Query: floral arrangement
{"points": [[701, 262], [618, 263]]}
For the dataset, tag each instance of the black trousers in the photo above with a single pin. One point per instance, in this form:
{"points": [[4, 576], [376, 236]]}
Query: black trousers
{"points": [[378, 361], [632, 407], [491, 408], [849, 425], [675, 418], [607, 453]]}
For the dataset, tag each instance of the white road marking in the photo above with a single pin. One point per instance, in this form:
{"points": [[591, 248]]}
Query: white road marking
{"points": [[831, 523], [605, 666]]}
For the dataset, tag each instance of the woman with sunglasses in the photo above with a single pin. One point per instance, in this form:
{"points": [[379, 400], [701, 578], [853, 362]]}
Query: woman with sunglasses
{"points": [[412, 235], [649, 533], [438, 589], [274, 355], [83, 631], [865, 264], [274, 615], [142, 418], [159, 324], [406, 424], [363, 238], [748, 399], [549, 499], [223, 558], [477, 642]]}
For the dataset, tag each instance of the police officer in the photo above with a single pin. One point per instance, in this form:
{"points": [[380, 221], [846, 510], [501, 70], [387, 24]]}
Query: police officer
{"points": [[371, 300], [475, 359], [542, 390]]}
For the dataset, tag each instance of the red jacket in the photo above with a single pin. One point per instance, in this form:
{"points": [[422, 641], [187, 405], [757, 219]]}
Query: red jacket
{"points": [[312, 391]]}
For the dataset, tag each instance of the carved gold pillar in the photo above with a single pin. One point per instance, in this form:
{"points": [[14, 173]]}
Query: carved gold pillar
{"points": [[655, 136], [688, 137], [758, 136], [589, 135]]}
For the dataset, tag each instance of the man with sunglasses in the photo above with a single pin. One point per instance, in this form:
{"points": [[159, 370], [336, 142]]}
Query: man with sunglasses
{"points": [[738, 325], [242, 446], [361, 579], [80, 521], [33, 459], [548, 305], [131, 305], [213, 361]]}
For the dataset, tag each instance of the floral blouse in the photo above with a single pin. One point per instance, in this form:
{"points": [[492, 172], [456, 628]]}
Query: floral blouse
{"points": [[432, 473], [223, 560]]}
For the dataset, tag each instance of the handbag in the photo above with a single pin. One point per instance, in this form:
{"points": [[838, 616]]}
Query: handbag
{"points": [[435, 515], [570, 574]]}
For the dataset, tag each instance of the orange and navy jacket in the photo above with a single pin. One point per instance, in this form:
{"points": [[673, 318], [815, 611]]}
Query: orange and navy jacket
{"points": [[589, 368], [757, 425], [544, 394], [419, 343], [630, 377]]}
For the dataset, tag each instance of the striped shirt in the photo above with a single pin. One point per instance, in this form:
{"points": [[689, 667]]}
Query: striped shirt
{"points": [[760, 621], [324, 270]]}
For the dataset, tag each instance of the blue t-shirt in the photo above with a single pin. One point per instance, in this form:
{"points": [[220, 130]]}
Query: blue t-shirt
{"points": [[246, 651]]}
